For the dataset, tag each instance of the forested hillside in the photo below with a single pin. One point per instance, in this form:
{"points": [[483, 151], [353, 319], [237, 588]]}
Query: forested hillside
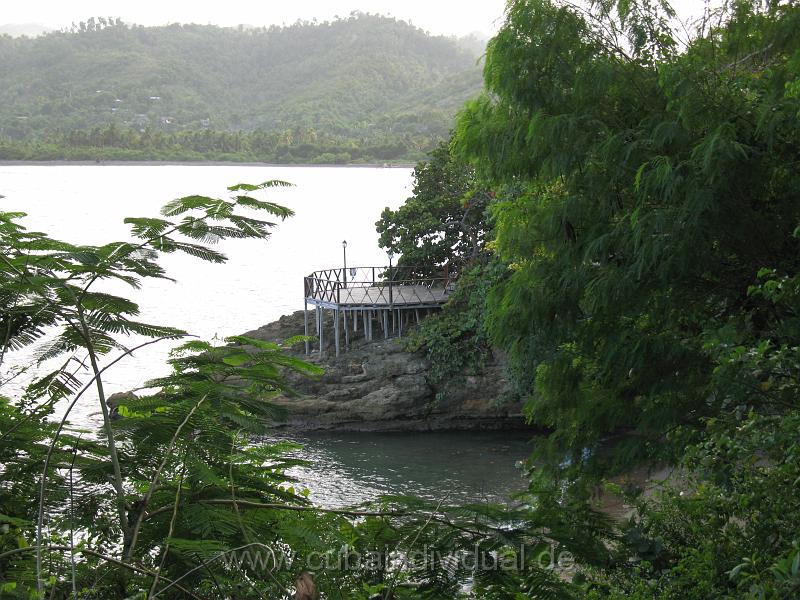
{"points": [[307, 89]]}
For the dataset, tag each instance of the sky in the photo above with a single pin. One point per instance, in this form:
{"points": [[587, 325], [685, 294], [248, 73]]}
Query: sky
{"points": [[440, 17]]}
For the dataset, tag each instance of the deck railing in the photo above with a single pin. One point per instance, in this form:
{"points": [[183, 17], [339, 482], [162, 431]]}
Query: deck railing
{"points": [[376, 286]]}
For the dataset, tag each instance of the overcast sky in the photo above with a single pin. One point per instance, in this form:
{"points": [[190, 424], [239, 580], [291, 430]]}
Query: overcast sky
{"points": [[446, 17]]}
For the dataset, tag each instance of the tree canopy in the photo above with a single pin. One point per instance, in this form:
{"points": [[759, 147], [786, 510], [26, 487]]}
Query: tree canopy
{"points": [[659, 183], [443, 224], [650, 307]]}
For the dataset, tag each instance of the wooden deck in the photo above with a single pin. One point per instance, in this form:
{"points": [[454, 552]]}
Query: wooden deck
{"points": [[377, 287], [350, 297], [387, 296], [401, 295]]}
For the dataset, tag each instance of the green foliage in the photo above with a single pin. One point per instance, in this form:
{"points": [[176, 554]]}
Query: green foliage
{"points": [[363, 88], [455, 338], [647, 215], [730, 533], [502, 552], [651, 307], [443, 225], [159, 487]]}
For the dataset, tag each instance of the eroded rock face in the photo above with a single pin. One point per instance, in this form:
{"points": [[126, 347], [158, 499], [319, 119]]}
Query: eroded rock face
{"points": [[377, 386]]}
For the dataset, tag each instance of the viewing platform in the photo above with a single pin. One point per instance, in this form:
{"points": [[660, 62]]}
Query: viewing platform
{"points": [[360, 296]]}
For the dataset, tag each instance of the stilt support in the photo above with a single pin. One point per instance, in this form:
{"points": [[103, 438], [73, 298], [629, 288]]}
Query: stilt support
{"points": [[336, 330], [305, 323], [346, 331], [321, 327]]}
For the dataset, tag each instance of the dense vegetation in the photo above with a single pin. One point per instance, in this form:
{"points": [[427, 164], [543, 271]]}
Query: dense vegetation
{"points": [[648, 216], [443, 230], [443, 224], [360, 88]]}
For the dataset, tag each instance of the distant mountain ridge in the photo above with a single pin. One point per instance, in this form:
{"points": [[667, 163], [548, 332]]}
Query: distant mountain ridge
{"points": [[366, 77]]}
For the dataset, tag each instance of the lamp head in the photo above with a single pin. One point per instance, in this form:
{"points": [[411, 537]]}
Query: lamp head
{"points": [[344, 244]]}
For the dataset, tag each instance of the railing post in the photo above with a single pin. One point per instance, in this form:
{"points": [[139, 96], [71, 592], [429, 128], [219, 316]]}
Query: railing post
{"points": [[346, 330]]}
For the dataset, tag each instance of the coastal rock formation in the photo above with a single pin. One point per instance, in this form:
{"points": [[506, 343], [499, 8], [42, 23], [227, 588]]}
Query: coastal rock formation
{"points": [[378, 386]]}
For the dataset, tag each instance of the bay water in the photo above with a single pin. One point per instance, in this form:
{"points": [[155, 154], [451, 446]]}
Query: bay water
{"points": [[260, 282]]}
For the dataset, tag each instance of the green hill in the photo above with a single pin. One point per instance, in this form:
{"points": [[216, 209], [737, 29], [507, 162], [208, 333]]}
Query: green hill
{"points": [[361, 81]]}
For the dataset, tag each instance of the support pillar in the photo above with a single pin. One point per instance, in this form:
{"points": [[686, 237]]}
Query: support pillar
{"points": [[336, 329], [346, 330], [321, 313], [305, 323]]}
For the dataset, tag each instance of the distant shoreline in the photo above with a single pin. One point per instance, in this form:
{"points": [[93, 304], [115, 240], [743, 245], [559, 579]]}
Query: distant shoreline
{"points": [[192, 163]]}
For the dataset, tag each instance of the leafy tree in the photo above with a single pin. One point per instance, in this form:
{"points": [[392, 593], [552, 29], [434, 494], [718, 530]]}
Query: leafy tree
{"points": [[160, 486], [443, 223], [647, 215], [651, 304]]}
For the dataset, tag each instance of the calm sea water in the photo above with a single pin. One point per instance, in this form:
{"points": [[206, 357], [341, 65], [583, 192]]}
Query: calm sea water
{"points": [[260, 282]]}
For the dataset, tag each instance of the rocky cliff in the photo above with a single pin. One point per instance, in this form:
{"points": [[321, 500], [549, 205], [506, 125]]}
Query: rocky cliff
{"points": [[378, 386]]}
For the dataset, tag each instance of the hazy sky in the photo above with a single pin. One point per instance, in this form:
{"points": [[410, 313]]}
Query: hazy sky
{"points": [[448, 17]]}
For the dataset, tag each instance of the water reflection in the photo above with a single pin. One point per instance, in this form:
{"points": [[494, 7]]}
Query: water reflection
{"points": [[350, 468]]}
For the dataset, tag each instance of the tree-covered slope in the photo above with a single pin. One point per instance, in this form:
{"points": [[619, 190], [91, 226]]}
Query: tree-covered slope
{"points": [[366, 76]]}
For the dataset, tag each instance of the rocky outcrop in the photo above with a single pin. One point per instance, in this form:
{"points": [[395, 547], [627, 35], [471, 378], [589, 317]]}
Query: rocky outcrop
{"points": [[378, 386]]}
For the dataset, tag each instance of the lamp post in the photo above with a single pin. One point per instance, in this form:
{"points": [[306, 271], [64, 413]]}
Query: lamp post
{"points": [[390, 254], [344, 259]]}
